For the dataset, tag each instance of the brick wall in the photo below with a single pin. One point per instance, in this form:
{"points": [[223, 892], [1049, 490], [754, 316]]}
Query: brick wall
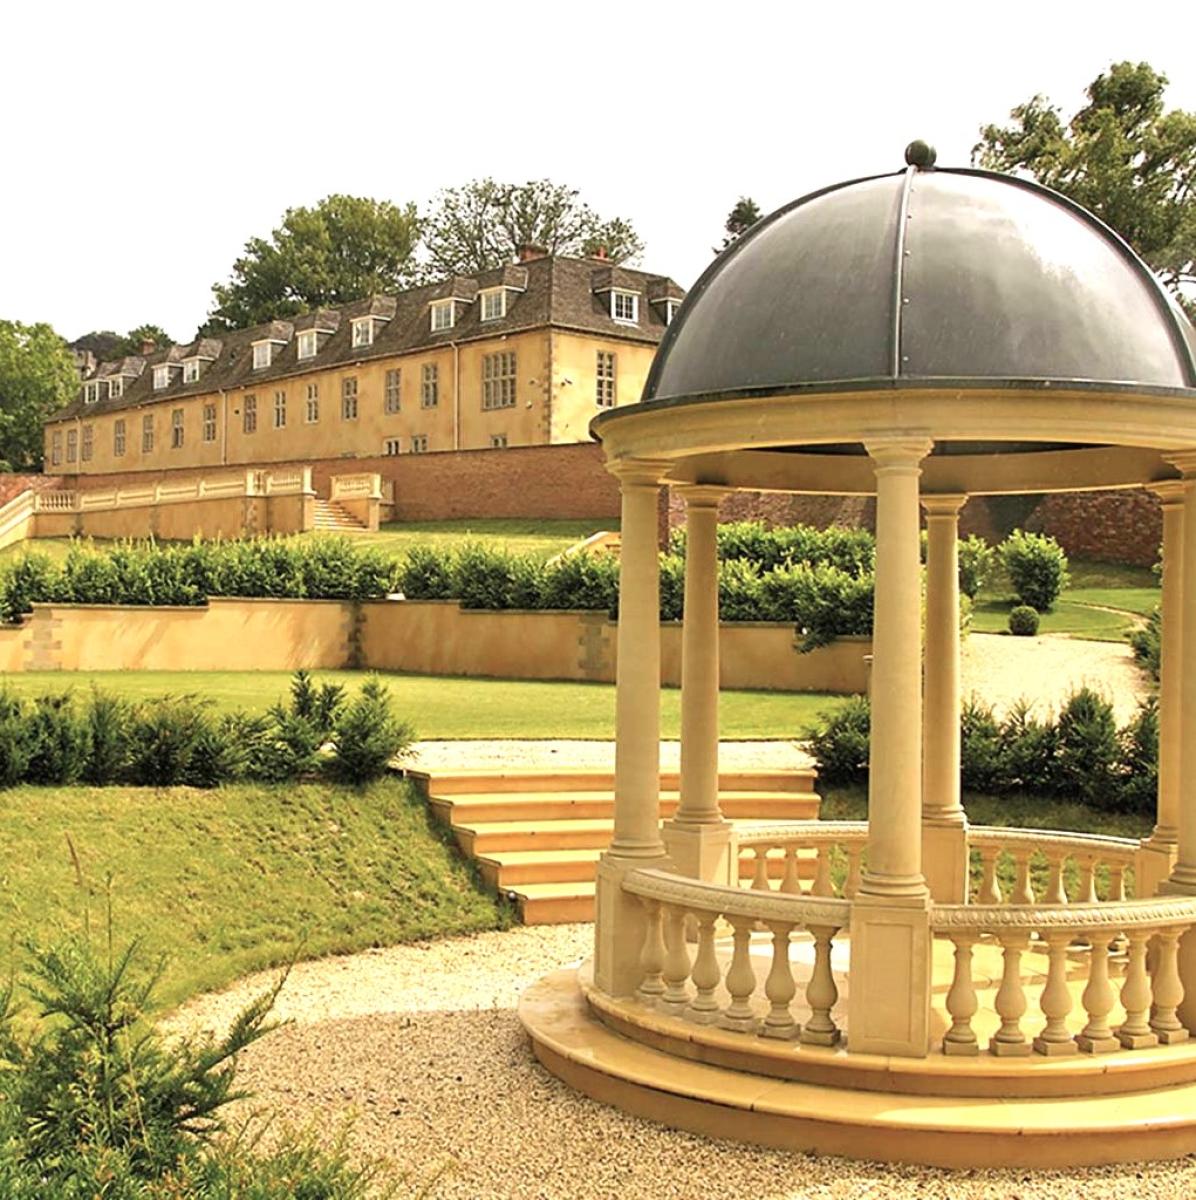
{"points": [[11, 486]]}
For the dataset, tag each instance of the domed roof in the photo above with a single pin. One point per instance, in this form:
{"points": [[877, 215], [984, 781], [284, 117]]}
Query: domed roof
{"points": [[924, 278]]}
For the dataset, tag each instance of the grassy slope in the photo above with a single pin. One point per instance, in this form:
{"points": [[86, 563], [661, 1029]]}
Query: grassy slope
{"points": [[232, 880], [452, 708]]}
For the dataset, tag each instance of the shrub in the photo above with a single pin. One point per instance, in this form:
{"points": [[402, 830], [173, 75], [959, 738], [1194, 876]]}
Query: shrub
{"points": [[739, 597], [976, 559], [316, 704], [1139, 760], [15, 746], [1147, 642], [426, 574], [1089, 750], [288, 748], [823, 601], [1026, 748], [1037, 568], [486, 578], [164, 738], [582, 581], [980, 765], [839, 743], [672, 587], [1023, 621], [368, 736], [108, 723], [225, 749], [56, 737], [27, 580]]}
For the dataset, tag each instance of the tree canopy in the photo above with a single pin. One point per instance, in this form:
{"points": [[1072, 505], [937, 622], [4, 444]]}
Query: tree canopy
{"points": [[739, 220], [107, 346], [37, 377], [1122, 155], [483, 224], [343, 248]]}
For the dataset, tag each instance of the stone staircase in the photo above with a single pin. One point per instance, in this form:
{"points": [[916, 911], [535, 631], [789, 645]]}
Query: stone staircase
{"points": [[537, 835], [331, 517]]}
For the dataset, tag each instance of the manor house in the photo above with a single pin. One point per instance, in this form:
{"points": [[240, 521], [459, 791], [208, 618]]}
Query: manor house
{"points": [[523, 355]]}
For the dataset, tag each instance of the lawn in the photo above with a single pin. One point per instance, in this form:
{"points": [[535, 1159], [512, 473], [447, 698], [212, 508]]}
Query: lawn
{"points": [[232, 880], [455, 708]]}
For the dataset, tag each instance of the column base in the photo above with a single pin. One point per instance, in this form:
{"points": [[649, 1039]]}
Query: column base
{"points": [[945, 858], [701, 851], [1153, 865], [619, 924], [889, 1001]]}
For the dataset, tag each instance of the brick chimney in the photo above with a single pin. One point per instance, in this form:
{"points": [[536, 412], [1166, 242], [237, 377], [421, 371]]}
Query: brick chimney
{"points": [[528, 252], [148, 346], [599, 253]]}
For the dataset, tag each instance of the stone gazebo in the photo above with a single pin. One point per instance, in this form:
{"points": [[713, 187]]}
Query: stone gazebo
{"points": [[922, 337]]}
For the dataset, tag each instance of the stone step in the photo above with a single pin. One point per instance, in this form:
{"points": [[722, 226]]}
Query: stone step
{"points": [[482, 839], [555, 903], [451, 783], [329, 516], [505, 869], [891, 1125]]}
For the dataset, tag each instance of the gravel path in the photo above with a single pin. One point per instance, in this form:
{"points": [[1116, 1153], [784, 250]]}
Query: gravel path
{"points": [[421, 1044]]}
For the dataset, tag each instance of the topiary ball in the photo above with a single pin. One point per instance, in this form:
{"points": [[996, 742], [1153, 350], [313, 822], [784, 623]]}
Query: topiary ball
{"points": [[1023, 621]]}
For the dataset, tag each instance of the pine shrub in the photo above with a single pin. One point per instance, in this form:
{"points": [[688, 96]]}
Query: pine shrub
{"points": [[1088, 751], [839, 743], [980, 765], [57, 739], [368, 736], [109, 718], [1147, 642], [164, 738]]}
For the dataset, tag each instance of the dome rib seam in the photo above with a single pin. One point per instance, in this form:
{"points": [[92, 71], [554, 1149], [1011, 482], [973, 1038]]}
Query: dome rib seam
{"points": [[899, 270]]}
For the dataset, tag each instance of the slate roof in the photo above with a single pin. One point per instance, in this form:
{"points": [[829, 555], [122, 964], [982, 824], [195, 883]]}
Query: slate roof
{"points": [[548, 291]]}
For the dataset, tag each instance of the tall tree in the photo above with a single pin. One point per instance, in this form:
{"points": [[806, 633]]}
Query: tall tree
{"points": [[1122, 155], [344, 248], [107, 346], [739, 220], [484, 223], [37, 377]]}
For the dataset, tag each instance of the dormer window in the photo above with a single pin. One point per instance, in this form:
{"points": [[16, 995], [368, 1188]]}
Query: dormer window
{"points": [[161, 377], [116, 387], [309, 343], [263, 354], [363, 332], [444, 315], [670, 310], [493, 303], [190, 370], [625, 307], [91, 393]]}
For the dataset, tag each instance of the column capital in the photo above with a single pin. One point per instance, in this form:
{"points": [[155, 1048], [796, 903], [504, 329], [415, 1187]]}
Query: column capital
{"points": [[1169, 491], [898, 453], [644, 472], [1184, 461], [943, 504], [701, 495]]}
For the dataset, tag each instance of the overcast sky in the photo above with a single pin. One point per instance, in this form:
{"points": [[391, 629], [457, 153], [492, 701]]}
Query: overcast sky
{"points": [[144, 143]]}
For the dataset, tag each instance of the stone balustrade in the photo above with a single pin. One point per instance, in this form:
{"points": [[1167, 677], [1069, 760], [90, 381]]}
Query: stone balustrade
{"points": [[1136, 941], [685, 986], [762, 848], [356, 487], [54, 502]]}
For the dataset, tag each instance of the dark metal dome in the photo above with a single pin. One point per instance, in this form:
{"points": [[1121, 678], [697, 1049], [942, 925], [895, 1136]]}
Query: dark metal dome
{"points": [[924, 278]]}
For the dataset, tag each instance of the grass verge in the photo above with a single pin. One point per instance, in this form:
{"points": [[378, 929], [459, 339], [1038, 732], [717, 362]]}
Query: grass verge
{"points": [[456, 708], [237, 879]]}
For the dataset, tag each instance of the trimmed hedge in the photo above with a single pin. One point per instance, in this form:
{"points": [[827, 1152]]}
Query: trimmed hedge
{"points": [[324, 567]]}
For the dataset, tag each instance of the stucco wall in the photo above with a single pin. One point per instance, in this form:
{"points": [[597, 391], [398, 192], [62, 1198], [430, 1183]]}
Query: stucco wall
{"points": [[427, 637]]}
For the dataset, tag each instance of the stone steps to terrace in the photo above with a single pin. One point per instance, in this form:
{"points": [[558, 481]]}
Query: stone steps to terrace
{"points": [[330, 517], [537, 835]]}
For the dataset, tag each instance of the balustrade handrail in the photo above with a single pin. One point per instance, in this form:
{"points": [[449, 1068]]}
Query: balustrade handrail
{"points": [[1100, 845], [805, 832], [668, 888], [1155, 912]]}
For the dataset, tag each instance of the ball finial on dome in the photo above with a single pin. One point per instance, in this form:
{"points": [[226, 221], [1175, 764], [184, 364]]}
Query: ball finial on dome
{"points": [[920, 154]]}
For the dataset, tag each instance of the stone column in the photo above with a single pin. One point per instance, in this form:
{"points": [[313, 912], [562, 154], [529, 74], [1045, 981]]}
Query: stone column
{"points": [[636, 842], [698, 838], [1157, 858], [944, 824], [889, 1001], [1183, 874]]}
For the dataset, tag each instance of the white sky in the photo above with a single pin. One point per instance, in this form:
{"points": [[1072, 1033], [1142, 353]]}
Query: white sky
{"points": [[144, 143]]}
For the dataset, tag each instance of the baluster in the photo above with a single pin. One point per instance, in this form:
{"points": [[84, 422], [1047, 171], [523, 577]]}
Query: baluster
{"points": [[855, 853], [741, 979], [821, 992], [990, 889], [1096, 1037], [1168, 989], [676, 961], [822, 880], [779, 987], [1055, 1038], [791, 884], [962, 1001], [1010, 1001], [1135, 1032], [760, 877], [652, 956], [706, 974], [1023, 893], [1117, 883], [1056, 893], [1087, 881]]}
